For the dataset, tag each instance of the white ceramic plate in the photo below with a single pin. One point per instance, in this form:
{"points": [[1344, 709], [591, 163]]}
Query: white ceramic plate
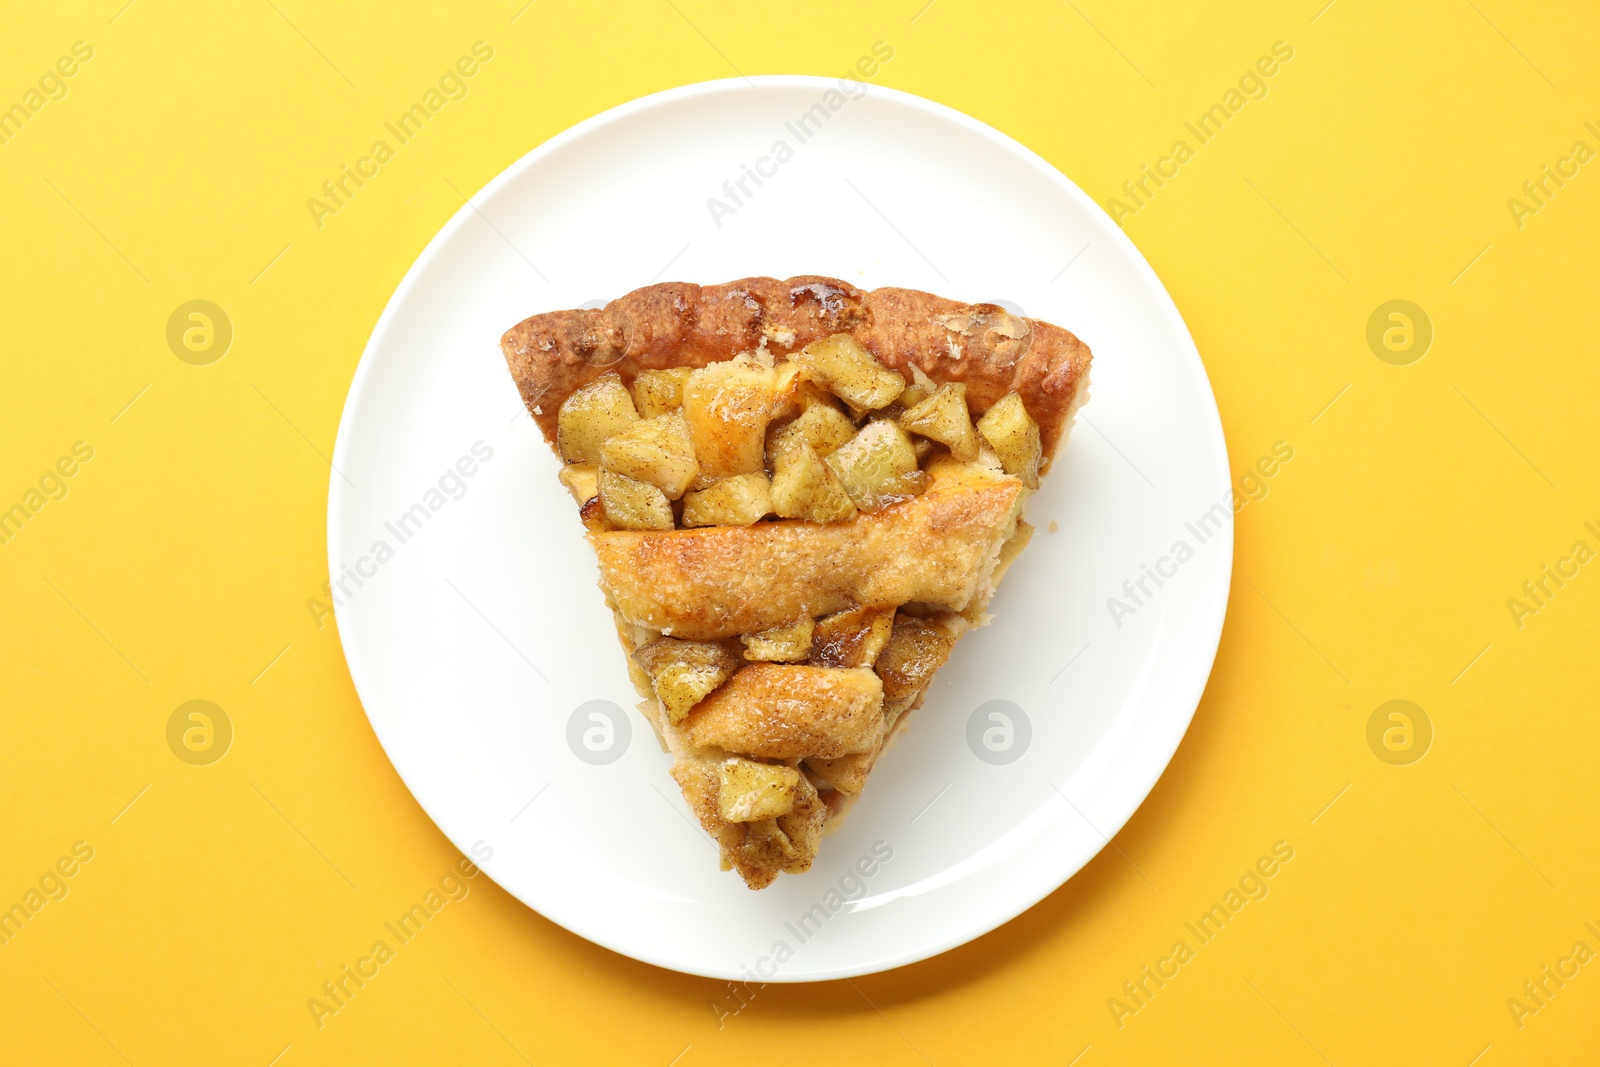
{"points": [[485, 657]]}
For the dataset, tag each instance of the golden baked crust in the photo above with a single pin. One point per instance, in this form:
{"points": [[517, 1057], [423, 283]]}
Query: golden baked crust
{"points": [[680, 324], [783, 711], [722, 581]]}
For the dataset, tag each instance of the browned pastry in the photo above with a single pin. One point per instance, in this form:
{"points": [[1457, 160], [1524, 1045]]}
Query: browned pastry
{"points": [[801, 495], [724, 581], [680, 324]]}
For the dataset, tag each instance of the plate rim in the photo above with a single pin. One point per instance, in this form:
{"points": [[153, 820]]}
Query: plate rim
{"points": [[1209, 635]]}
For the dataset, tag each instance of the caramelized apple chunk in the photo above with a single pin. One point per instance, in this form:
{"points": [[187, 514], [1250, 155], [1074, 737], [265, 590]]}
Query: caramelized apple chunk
{"points": [[782, 644], [804, 487], [851, 638], [878, 466], [850, 372], [581, 480], [822, 426], [633, 505], [847, 774], [656, 392], [917, 648], [735, 501], [728, 406], [655, 450], [1014, 436], [683, 673], [749, 791], [793, 392], [592, 414], [943, 417], [920, 389]]}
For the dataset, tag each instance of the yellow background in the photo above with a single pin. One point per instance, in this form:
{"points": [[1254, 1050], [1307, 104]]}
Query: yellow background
{"points": [[1378, 568]]}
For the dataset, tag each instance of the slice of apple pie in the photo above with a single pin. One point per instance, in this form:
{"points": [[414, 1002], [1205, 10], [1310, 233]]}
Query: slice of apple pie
{"points": [[801, 495]]}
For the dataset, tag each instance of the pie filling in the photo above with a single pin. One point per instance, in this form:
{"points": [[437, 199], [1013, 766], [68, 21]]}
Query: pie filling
{"points": [[792, 546]]}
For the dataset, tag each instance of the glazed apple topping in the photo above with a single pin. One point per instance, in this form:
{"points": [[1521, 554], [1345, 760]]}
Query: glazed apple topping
{"points": [[824, 435]]}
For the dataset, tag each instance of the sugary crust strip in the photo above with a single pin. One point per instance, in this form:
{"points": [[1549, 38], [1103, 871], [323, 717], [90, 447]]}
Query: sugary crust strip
{"points": [[722, 581], [680, 324], [785, 711]]}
